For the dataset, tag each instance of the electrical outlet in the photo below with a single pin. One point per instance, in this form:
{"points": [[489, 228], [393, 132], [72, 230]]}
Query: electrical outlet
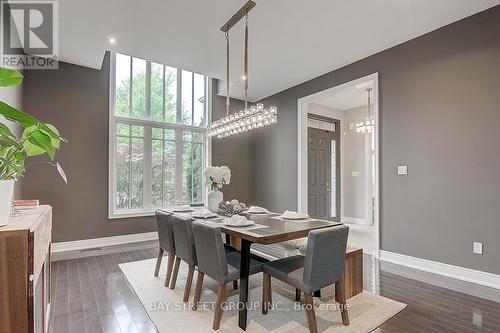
{"points": [[477, 248], [402, 170]]}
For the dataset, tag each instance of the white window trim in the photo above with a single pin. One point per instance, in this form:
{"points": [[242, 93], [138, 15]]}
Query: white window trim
{"points": [[112, 120]]}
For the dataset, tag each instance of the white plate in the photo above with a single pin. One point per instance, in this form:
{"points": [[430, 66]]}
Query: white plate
{"points": [[294, 218], [182, 210], [203, 217], [239, 224]]}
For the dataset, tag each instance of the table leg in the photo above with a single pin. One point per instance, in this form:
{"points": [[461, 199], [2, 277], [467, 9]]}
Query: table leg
{"points": [[244, 274]]}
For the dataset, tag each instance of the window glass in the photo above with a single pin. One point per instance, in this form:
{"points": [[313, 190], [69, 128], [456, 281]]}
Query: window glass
{"points": [[157, 92], [199, 100], [187, 98], [138, 88], [170, 94], [161, 125], [122, 85]]}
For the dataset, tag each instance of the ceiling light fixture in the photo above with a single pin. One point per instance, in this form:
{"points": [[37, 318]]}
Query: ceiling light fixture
{"points": [[368, 123], [251, 117], [112, 40]]}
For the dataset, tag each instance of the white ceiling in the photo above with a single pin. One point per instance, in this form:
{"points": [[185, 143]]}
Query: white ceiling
{"points": [[291, 41], [348, 98]]}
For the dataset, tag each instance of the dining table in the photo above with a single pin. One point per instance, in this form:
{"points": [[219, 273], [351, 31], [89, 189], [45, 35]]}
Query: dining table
{"points": [[267, 229]]}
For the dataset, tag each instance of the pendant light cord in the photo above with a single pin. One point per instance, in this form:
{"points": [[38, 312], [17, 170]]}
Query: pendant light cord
{"points": [[227, 73], [245, 63]]}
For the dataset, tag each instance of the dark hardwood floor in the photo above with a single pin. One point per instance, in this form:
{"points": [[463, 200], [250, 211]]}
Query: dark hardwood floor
{"points": [[92, 295]]}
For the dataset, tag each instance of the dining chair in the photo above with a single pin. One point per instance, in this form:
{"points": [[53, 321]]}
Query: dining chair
{"points": [[323, 265], [215, 262], [166, 243], [184, 250]]}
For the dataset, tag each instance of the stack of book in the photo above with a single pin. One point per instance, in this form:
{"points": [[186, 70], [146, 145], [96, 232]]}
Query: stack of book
{"points": [[26, 204]]}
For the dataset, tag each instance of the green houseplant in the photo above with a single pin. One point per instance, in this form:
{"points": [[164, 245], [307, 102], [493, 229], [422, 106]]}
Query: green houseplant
{"points": [[37, 139]]}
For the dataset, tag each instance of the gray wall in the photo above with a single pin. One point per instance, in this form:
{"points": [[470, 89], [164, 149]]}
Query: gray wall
{"points": [[440, 110], [76, 100]]}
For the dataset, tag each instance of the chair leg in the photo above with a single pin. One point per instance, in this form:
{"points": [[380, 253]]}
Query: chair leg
{"points": [[266, 293], [175, 272], [311, 316], [297, 295], [235, 284], [339, 291], [170, 266], [189, 282], [158, 261], [197, 291], [221, 296]]}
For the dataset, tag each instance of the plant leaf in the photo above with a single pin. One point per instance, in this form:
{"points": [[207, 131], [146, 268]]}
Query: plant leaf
{"points": [[10, 77], [61, 172], [19, 117], [5, 131], [30, 148], [51, 131], [42, 140]]}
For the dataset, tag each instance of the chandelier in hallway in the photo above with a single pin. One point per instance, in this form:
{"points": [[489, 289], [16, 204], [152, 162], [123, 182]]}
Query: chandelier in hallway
{"points": [[249, 118], [368, 123]]}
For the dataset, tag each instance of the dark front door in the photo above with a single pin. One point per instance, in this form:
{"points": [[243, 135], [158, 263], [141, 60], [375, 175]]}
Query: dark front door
{"points": [[324, 173]]}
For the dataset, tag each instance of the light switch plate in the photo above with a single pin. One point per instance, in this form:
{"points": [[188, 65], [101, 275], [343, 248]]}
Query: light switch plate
{"points": [[402, 170], [355, 173], [477, 248]]}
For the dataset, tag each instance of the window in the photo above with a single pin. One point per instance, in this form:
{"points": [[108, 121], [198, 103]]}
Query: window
{"points": [[158, 144]]}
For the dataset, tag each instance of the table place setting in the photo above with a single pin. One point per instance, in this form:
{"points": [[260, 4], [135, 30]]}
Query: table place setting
{"points": [[203, 214], [237, 221], [257, 210], [291, 215]]}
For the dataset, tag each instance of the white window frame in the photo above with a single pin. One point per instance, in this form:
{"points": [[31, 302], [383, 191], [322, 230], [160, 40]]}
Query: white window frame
{"points": [[113, 213]]}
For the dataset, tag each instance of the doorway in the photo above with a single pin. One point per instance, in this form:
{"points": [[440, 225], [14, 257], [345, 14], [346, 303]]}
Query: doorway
{"points": [[351, 194], [323, 168]]}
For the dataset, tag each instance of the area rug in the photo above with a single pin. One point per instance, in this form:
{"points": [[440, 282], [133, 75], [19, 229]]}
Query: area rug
{"points": [[169, 314]]}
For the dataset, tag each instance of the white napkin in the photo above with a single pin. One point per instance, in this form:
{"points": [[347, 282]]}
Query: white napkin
{"points": [[289, 214], [257, 209], [203, 213], [236, 219], [182, 208]]}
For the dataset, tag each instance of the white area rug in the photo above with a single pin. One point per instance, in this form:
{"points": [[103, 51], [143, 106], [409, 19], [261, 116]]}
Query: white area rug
{"points": [[167, 311]]}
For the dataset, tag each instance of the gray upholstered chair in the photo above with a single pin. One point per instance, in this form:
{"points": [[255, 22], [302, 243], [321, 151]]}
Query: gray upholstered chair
{"points": [[184, 250], [218, 264], [323, 265], [166, 243]]}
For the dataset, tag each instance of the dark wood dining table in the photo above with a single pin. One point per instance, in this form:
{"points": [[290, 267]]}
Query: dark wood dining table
{"points": [[268, 229]]}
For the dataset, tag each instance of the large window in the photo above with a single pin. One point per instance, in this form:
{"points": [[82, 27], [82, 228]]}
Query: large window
{"points": [[158, 116]]}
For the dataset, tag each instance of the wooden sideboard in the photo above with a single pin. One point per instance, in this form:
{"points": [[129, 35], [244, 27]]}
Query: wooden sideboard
{"points": [[25, 272]]}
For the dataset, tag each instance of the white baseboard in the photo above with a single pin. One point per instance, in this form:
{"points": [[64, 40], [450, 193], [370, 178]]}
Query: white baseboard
{"points": [[451, 271], [85, 244], [353, 220]]}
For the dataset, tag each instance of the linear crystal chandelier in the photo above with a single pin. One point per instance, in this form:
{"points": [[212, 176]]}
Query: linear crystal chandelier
{"points": [[251, 117], [368, 123]]}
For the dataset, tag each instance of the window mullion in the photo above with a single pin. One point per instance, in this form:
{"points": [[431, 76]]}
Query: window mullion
{"points": [[147, 194], [179, 96], [192, 99], [148, 168], [178, 165], [129, 166]]}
